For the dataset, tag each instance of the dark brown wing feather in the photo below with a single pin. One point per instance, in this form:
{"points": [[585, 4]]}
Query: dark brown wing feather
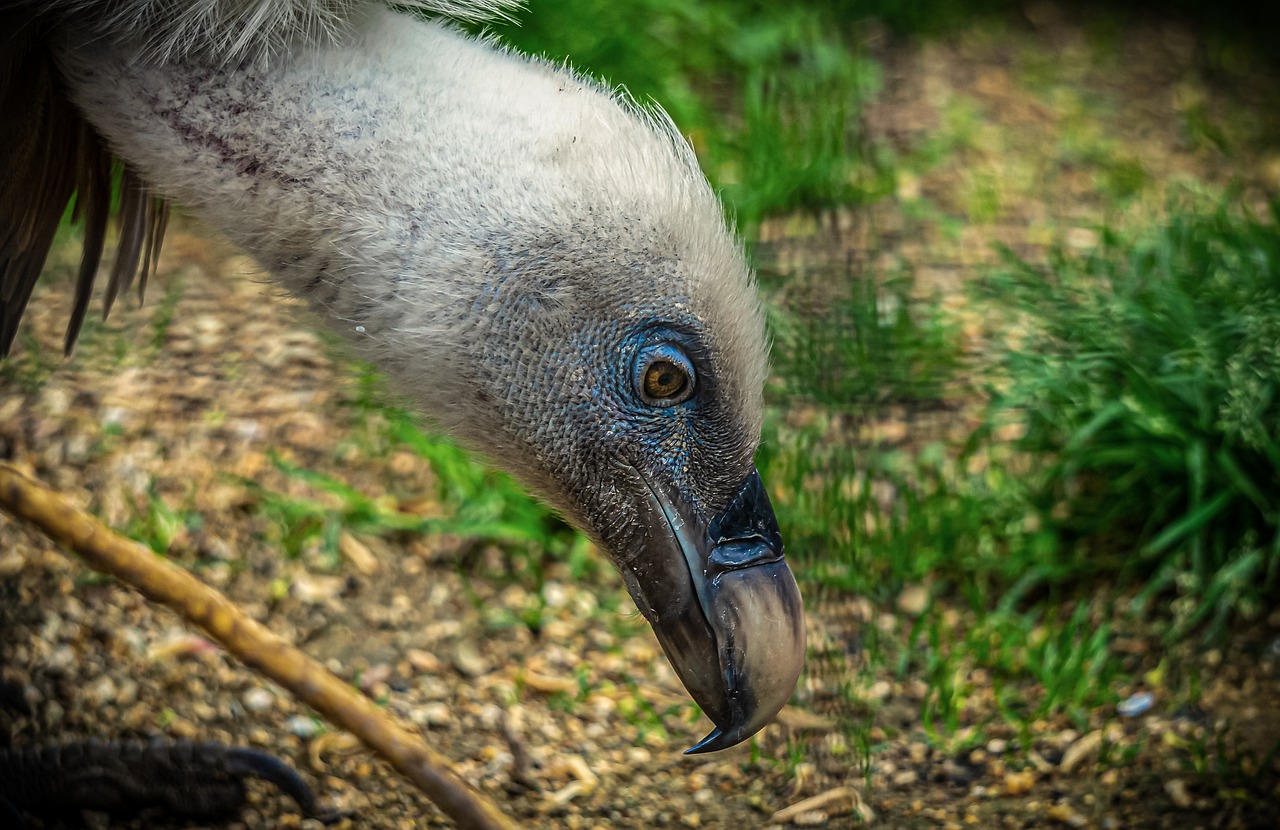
{"points": [[48, 153]]}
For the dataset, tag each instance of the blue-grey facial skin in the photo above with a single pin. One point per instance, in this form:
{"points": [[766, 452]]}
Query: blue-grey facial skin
{"points": [[652, 479]]}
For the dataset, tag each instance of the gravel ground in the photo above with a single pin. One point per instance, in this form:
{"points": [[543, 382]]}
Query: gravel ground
{"points": [[576, 721]]}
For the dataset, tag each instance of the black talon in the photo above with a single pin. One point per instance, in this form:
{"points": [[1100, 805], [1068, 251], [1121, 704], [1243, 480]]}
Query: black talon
{"points": [[200, 781], [252, 763]]}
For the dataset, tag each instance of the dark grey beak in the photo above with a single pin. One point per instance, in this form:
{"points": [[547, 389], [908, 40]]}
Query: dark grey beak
{"points": [[724, 606]]}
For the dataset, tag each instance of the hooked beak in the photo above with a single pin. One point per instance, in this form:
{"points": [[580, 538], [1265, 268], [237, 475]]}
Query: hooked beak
{"points": [[725, 607]]}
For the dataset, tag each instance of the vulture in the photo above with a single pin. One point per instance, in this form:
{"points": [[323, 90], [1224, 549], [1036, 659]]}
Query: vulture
{"points": [[533, 259]]}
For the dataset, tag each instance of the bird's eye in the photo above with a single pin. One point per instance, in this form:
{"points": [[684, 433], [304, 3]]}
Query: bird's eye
{"points": [[664, 380], [664, 375]]}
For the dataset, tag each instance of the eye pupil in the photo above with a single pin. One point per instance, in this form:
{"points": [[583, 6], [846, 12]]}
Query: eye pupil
{"points": [[664, 379]]}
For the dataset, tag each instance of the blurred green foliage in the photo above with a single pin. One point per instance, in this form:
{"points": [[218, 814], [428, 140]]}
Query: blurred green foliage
{"points": [[1148, 382], [475, 502], [872, 343], [1124, 470], [1142, 383]]}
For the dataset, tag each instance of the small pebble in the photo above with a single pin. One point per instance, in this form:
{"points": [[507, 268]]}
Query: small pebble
{"points": [[437, 714], [468, 661], [423, 661], [10, 563], [102, 691], [905, 778], [1017, 783], [1177, 790], [374, 677], [258, 699], [302, 726], [913, 600], [1135, 704]]}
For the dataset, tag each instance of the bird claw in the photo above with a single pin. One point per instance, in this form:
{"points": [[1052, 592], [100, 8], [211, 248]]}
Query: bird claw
{"points": [[194, 780]]}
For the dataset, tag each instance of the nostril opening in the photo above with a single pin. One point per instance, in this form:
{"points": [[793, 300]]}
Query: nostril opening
{"points": [[737, 554]]}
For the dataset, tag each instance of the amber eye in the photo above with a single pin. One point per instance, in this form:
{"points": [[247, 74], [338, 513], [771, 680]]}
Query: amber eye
{"points": [[664, 379], [664, 375]]}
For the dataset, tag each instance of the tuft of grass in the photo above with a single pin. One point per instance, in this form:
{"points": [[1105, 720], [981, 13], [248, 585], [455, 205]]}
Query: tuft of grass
{"points": [[157, 525], [1146, 378], [29, 367], [481, 503], [341, 507], [1040, 662], [1130, 445], [162, 317], [477, 503], [509, 520]]}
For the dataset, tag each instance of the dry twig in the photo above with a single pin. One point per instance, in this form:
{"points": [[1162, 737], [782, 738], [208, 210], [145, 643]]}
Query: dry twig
{"points": [[260, 649]]}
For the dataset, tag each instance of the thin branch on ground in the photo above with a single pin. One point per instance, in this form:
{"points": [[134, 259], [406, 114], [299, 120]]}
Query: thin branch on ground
{"points": [[262, 651]]}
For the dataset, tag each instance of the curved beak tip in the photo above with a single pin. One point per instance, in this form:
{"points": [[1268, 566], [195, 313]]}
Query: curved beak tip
{"points": [[730, 618], [714, 742]]}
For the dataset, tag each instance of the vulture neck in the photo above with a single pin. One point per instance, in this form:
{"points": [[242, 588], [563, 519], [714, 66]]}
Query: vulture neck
{"points": [[405, 180]]}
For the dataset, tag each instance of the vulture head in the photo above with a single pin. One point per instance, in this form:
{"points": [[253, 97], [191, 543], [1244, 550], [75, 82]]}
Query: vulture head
{"points": [[533, 259]]}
